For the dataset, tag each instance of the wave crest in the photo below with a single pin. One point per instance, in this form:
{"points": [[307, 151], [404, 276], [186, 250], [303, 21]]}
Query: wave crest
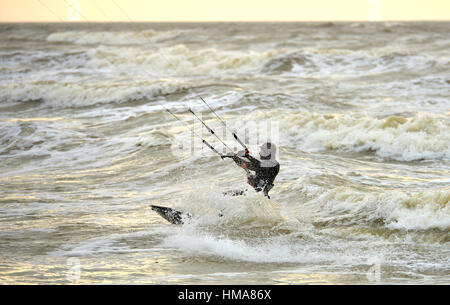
{"points": [[64, 95], [427, 210], [422, 137]]}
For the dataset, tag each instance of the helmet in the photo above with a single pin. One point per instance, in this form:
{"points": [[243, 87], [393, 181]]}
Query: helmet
{"points": [[267, 150]]}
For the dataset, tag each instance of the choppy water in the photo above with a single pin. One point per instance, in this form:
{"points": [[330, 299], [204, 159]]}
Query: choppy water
{"points": [[362, 112]]}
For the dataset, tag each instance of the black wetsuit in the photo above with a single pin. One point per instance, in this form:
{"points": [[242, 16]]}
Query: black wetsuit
{"points": [[265, 172]]}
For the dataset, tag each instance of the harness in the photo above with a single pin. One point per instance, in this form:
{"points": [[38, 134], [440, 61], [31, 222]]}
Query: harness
{"points": [[259, 184]]}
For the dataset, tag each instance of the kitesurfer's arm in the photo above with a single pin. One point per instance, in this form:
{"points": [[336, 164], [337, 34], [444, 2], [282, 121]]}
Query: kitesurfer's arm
{"points": [[253, 164], [240, 162]]}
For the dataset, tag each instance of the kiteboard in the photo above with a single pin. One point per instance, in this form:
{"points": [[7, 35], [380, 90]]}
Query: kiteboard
{"points": [[171, 215], [174, 216]]}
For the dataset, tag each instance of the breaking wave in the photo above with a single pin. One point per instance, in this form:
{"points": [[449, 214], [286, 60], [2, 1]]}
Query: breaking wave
{"points": [[62, 95], [310, 61], [421, 137], [179, 59], [345, 212], [345, 206]]}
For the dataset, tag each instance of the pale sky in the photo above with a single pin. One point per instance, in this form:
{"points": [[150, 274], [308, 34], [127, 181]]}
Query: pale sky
{"points": [[223, 10]]}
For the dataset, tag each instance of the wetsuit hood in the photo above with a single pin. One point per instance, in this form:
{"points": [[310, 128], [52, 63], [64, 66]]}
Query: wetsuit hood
{"points": [[267, 150]]}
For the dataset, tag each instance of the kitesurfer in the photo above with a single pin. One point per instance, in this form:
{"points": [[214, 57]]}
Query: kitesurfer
{"points": [[265, 170]]}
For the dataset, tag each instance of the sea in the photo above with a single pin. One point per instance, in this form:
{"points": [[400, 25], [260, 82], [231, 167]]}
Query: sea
{"points": [[359, 113]]}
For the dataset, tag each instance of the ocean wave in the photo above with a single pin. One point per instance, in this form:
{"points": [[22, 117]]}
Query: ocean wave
{"points": [[288, 62], [132, 63], [41, 138], [39, 60], [394, 210], [113, 37], [179, 59], [58, 142], [66, 95], [312, 61], [421, 137], [206, 204], [271, 250], [182, 60]]}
